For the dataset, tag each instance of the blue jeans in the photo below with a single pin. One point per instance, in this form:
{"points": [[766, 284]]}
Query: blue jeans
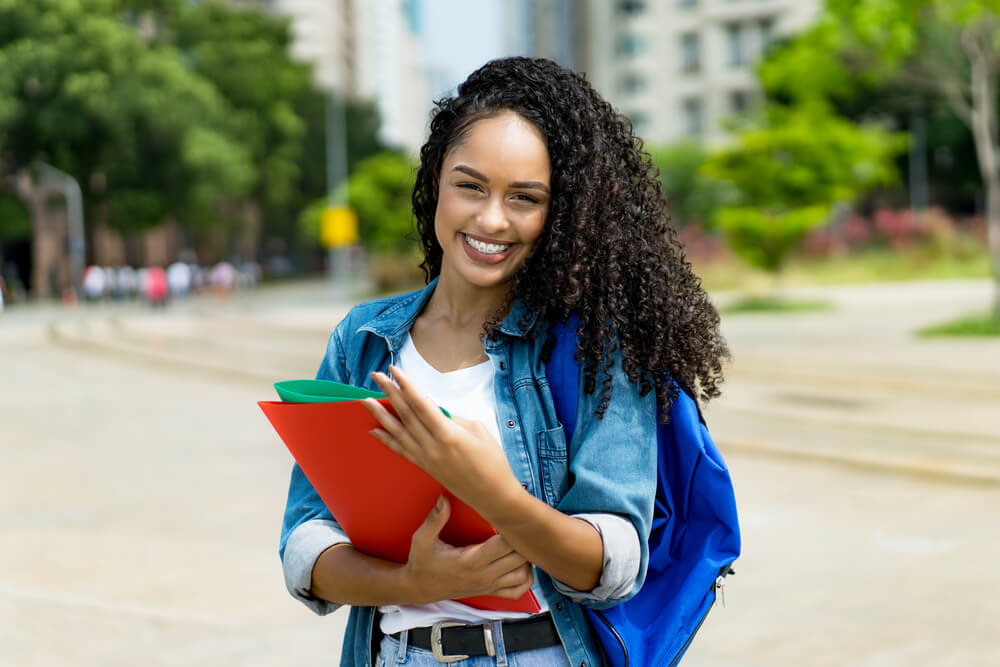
{"points": [[394, 652]]}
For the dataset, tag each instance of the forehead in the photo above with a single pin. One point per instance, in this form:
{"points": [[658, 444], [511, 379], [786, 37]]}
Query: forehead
{"points": [[506, 145]]}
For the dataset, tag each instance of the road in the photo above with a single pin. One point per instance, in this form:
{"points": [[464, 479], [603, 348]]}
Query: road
{"points": [[143, 489]]}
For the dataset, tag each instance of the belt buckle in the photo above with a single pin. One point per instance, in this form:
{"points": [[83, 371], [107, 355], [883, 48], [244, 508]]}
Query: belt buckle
{"points": [[437, 648]]}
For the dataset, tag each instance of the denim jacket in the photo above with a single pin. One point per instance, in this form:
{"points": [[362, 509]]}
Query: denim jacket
{"points": [[609, 466]]}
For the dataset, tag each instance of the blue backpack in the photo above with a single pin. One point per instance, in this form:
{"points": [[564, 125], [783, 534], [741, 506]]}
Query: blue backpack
{"points": [[695, 534]]}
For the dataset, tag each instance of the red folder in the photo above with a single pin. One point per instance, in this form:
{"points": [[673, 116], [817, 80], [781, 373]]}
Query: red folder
{"points": [[378, 497]]}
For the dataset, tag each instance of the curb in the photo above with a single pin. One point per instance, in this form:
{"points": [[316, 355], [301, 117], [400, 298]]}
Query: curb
{"points": [[943, 470]]}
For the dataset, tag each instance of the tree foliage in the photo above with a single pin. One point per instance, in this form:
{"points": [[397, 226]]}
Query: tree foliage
{"points": [[83, 90], [379, 191], [690, 198], [944, 50], [166, 109], [783, 179]]}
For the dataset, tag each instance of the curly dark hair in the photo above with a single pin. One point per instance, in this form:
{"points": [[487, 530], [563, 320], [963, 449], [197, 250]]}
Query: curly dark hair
{"points": [[608, 252]]}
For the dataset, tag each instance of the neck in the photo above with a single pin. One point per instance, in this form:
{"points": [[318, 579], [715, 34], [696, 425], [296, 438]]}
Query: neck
{"points": [[464, 305]]}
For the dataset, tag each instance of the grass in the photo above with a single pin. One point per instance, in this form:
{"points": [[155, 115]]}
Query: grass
{"points": [[773, 304], [877, 265], [987, 325]]}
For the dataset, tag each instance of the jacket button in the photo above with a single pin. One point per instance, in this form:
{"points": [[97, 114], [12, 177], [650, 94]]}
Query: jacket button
{"points": [[510, 423], [503, 366], [558, 606]]}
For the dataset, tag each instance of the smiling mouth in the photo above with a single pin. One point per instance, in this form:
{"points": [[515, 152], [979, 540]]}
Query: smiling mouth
{"points": [[485, 247]]}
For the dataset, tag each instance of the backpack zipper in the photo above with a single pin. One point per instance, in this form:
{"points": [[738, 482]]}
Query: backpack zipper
{"points": [[611, 628], [717, 585]]}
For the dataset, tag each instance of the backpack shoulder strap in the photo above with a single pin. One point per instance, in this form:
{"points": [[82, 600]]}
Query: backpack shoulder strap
{"points": [[563, 374]]}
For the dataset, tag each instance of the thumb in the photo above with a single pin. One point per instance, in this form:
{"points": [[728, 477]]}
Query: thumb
{"points": [[435, 521]]}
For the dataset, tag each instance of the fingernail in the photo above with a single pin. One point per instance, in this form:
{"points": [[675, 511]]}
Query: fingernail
{"points": [[440, 503]]}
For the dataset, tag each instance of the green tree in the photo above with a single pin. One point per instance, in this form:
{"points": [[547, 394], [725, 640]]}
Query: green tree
{"points": [[81, 89], [783, 179], [949, 49], [379, 192], [690, 198]]}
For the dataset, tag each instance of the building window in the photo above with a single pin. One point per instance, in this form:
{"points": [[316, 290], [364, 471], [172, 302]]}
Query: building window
{"points": [[739, 102], [736, 53], [631, 6], [630, 46], [766, 27], [690, 52], [632, 83], [640, 122], [691, 108]]}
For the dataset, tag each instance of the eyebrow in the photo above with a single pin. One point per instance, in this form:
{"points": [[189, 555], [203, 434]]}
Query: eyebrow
{"points": [[524, 185]]}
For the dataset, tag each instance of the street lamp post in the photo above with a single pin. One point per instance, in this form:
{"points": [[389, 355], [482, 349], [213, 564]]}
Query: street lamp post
{"points": [[337, 211], [74, 215]]}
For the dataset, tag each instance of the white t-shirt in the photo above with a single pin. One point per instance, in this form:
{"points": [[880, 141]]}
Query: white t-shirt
{"points": [[466, 393]]}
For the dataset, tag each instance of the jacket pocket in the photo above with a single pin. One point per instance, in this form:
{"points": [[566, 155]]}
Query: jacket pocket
{"points": [[554, 462]]}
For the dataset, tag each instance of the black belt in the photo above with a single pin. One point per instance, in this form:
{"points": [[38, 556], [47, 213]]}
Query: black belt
{"points": [[451, 641]]}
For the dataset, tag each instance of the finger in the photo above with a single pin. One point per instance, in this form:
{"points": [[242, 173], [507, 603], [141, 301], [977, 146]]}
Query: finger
{"points": [[490, 550], [401, 402], [515, 584], [385, 418], [520, 576], [512, 562], [392, 425], [422, 407], [392, 434], [435, 521]]}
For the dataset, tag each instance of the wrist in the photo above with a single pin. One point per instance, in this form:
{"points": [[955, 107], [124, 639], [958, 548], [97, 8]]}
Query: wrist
{"points": [[507, 503], [409, 586]]}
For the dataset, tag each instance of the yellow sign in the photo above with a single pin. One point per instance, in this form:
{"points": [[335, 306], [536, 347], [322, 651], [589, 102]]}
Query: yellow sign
{"points": [[339, 227]]}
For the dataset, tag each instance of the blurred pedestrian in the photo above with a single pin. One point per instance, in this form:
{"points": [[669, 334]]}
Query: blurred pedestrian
{"points": [[223, 279], [128, 281], [154, 286], [250, 273], [95, 283], [179, 279]]}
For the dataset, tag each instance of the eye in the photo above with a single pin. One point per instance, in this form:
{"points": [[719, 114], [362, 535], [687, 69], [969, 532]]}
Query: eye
{"points": [[470, 186], [522, 197]]}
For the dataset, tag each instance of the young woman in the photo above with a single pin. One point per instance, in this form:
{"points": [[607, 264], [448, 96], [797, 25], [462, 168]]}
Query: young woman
{"points": [[533, 202]]}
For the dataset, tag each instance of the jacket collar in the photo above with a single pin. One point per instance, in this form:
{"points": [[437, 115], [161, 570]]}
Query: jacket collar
{"points": [[395, 322]]}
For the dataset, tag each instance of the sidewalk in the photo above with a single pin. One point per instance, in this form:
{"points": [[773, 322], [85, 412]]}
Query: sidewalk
{"points": [[851, 385], [854, 385]]}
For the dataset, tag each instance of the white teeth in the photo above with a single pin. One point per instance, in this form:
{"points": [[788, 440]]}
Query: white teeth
{"points": [[486, 248]]}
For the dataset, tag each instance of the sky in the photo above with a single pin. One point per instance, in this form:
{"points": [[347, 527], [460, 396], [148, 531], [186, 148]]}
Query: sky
{"points": [[459, 36]]}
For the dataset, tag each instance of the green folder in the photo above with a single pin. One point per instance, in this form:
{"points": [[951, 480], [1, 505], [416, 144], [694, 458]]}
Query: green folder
{"points": [[322, 391], [325, 391]]}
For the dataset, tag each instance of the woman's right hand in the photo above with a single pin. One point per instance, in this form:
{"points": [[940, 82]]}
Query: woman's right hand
{"points": [[437, 571]]}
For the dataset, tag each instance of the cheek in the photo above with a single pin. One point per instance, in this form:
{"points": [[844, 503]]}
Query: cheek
{"points": [[450, 208], [536, 226]]}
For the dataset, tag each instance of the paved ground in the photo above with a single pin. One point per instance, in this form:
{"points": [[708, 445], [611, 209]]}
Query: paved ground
{"points": [[142, 490]]}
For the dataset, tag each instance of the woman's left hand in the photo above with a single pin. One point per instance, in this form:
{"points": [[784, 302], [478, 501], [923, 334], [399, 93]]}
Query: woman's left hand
{"points": [[459, 453]]}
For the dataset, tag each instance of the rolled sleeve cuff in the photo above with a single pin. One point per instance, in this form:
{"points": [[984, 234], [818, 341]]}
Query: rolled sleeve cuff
{"points": [[303, 548], [622, 556]]}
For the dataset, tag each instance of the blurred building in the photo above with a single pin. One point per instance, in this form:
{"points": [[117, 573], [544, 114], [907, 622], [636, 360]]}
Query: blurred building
{"points": [[545, 29], [679, 68], [365, 49]]}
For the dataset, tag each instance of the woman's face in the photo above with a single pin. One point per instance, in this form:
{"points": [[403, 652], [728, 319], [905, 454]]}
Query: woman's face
{"points": [[493, 197]]}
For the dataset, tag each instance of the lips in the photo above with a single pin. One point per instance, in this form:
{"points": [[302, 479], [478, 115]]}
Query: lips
{"points": [[486, 246], [487, 251]]}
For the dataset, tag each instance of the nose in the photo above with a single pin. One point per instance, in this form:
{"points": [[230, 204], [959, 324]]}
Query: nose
{"points": [[492, 218]]}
